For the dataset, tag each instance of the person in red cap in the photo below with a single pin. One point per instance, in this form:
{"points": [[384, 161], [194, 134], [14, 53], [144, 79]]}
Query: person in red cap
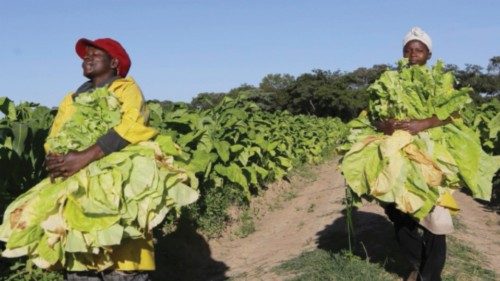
{"points": [[106, 64]]}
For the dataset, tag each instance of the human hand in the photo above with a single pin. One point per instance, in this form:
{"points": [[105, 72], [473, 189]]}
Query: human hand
{"points": [[52, 160], [68, 164], [386, 126], [72, 162], [64, 165]]}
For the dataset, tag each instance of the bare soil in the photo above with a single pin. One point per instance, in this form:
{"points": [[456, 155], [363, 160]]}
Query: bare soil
{"points": [[306, 213]]}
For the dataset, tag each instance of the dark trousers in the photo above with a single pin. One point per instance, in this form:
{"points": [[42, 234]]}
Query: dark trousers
{"points": [[107, 276], [423, 249]]}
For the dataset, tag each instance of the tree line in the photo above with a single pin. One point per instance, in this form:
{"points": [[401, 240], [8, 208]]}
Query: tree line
{"points": [[338, 93]]}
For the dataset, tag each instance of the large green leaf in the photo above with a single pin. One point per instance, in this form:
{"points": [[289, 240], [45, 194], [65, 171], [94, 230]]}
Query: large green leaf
{"points": [[50, 254], [234, 174], [222, 148], [182, 194], [20, 132], [167, 145], [24, 237], [78, 220], [190, 137], [110, 236], [200, 160], [8, 108]]}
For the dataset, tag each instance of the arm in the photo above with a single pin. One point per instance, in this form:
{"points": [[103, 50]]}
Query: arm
{"points": [[414, 126], [133, 127], [417, 126]]}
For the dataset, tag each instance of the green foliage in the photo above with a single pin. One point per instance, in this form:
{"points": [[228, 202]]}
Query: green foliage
{"points": [[414, 170], [263, 141], [237, 147], [246, 224], [23, 130], [322, 265], [320, 93], [96, 112], [325, 93], [22, 133], [416, 92], [462, 263], [485, 119], [205, 101], [465, 263], [20, 271], [276, 83], [486, 85], [342, 94], [68, 222], [211, 212]]}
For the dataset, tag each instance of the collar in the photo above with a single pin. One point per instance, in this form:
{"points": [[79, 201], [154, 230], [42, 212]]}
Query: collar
{"points": [[87, 86]]}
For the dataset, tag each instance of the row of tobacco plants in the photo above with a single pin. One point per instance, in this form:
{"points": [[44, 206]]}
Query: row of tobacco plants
{"points": [[234, 149]]}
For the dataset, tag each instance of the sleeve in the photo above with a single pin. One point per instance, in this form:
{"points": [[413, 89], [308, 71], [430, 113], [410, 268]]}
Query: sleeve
{"points": [[111, 142], [64, 112], [133, 127]]}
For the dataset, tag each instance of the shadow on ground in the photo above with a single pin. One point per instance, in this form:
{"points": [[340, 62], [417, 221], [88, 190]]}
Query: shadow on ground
{"points": [[374, 239], [493, 205], [185, 255]]}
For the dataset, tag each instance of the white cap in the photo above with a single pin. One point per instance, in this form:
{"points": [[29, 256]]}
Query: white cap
{"points": [[416, 33]]}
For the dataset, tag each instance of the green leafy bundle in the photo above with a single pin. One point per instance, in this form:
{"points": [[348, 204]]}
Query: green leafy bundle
{"points": [[97, 112], [416, 171], [416, 92], [486, 121], [74, 223]]}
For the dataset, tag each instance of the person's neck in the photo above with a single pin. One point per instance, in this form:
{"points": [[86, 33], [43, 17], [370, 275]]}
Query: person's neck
{"points": [[102, 80]]}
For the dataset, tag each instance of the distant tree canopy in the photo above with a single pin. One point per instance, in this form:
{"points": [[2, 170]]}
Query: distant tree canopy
{"points": [[206, 100], [342, 94], [326, 93], [486, 85]]}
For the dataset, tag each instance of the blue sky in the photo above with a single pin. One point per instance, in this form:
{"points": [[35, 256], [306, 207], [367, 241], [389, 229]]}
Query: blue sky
{"points": [[182, 48]]}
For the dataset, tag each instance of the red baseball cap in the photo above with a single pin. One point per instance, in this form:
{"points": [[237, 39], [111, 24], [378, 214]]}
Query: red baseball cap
{"points": [[110, 46]]}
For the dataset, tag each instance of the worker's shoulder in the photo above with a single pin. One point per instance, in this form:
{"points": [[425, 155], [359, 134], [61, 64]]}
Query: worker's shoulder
{"points": [[124, 81], [127, 83]]}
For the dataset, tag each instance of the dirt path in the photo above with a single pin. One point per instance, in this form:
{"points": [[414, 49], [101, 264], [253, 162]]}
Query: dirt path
{"points": [[286, 231], [306, 214], [481, 229]]}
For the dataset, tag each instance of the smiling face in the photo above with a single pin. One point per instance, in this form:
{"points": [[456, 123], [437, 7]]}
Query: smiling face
{"points": [[416, 52], [98, 64]]}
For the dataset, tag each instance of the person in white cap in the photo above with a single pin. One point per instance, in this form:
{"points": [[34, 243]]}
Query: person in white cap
{"points": [[422, 243], [417, 46]]}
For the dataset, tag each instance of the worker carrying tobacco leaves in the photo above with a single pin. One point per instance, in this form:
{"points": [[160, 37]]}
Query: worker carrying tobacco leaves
{"points": [[106, 64], [411, 151], [423, 243], [110, 183]]}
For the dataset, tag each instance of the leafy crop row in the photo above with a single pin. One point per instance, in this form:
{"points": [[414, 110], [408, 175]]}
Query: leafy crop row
{"points": [[234, 148]]}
